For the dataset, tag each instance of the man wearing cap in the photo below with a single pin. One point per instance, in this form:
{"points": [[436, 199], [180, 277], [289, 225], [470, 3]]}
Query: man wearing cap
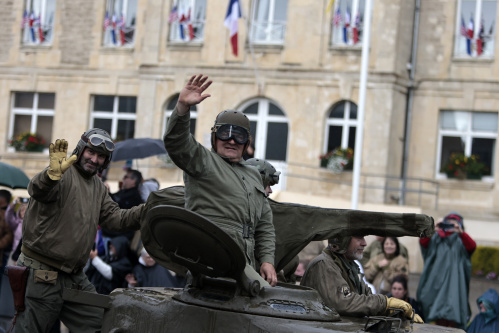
{"points": [[336, 276], [68, 202], [219, 184], [444, 284]]}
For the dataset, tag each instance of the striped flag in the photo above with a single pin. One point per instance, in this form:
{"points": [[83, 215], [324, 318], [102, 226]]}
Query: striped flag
{"points": [[113, 33], [355, 28], [107, 21], [337, 17], [31, 28], [40, 31], [173, 15], [25, 19], [121, 28], [232, 22]]}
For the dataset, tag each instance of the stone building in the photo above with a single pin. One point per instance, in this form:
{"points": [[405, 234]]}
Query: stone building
{"points": [[66, 66]]}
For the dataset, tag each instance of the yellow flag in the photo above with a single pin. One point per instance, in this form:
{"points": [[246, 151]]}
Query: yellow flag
{"points": [[330, 4]]}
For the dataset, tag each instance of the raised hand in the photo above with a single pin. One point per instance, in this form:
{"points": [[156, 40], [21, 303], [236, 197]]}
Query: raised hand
{"points": [[58, 152], [192, 93]]}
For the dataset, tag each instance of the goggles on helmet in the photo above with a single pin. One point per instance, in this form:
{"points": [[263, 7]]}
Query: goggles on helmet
{"points": [[227, 132], [274, 178], [97, 140]]}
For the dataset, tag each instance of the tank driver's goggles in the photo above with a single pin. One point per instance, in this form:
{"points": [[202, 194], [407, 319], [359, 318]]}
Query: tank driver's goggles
{"points": [[96, 140], [227, 132]]}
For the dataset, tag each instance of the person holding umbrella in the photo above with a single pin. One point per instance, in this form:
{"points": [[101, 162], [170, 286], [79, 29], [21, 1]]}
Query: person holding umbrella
{"points": [[67, 204], [219, 184]]}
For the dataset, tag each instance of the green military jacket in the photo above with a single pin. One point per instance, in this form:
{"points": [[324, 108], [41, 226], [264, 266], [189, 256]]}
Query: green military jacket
{"points": [[229, 194], [340, 286], [61, 220]]}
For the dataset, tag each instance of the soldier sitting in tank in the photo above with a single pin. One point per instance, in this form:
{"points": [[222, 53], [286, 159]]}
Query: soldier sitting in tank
{"points": [[219, 184], [270, 176], [335, 275]]}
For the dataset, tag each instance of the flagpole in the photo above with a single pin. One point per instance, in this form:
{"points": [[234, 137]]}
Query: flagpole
{"points": [[359, 133]]}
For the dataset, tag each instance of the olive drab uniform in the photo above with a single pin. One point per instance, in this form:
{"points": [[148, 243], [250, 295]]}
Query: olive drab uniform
{"points": [[338, 282], [58, 233], [229, 194]]}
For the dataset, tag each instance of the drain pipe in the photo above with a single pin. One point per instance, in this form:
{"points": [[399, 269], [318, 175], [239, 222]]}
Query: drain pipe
{"points": [[410, 98]]}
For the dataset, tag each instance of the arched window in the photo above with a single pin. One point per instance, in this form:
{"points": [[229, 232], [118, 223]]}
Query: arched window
{"points": [[269, 129], [341, 125], [170, 105]]}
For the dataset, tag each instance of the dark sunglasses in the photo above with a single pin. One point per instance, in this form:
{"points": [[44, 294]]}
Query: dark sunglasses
{"points": [[227, 132], [97, 140]]}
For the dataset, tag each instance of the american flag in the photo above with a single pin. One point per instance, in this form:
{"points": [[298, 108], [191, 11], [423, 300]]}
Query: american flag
{"points": [[107, 21], [463, 28], [337, 17], [25, 19], [173, 15]]}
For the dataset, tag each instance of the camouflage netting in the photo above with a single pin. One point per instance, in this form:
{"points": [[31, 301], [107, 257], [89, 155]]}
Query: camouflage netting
{"points": [[297, 225]]}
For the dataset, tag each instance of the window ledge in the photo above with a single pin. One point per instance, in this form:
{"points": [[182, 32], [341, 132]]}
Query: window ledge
{"points": [[184, 46], [117, 49], [466, 184], [472, 61], [265, 48], [346, 48], [35, 48]]}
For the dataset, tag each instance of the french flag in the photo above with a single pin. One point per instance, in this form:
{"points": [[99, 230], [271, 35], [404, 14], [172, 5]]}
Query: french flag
{"points": [[346, 26], [31, 27], [469, 33], [231, 22]]}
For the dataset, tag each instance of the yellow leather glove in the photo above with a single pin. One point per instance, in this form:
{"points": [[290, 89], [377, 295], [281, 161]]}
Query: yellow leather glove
{"points": [[396, 303], [58, 162], [418, 319]]}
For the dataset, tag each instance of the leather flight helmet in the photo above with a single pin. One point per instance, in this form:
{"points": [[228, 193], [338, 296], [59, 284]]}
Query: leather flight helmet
{"points": [[230, 117], [84, 142], [270, 176], [339, 244]]}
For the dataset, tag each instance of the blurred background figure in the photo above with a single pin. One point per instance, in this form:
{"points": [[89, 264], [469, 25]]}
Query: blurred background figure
{"points": [[444, 284], [312, 250], [109, 273], [6, 235], [375, 248], [400, 291], [382, 268], [148, 273], [14, 216], [487, 321], [148, 186]]}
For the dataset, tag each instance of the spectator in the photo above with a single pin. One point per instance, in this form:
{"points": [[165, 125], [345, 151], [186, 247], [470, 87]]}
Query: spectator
{"points": [[68, 201], [148, 273], [109, 273], [335, 275], [148, 186], [312, 250], [487, 321], [399, 290], [6, 235], [382, 268], [14, 217], [376, 248], [444, 284], [219, 184]]}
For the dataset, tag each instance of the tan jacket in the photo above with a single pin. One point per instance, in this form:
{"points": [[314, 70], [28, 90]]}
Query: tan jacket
{"points": [[61, 220], [330, 277], [229, 194], [381, 278]]}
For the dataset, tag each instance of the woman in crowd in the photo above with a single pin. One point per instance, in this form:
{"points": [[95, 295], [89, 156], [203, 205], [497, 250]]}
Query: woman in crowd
{"points": [[399, 290], [381, 269]]}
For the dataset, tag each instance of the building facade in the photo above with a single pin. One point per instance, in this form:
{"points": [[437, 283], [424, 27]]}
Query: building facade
{"points": [[66, 66]]}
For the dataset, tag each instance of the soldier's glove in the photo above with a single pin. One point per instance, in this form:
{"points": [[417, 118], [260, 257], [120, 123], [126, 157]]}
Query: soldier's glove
{"points": [[58, 162], [396, 303], [418, 319]]}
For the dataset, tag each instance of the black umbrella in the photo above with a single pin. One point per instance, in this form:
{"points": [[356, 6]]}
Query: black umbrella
{"points": [[138, 148], [12, 177]]}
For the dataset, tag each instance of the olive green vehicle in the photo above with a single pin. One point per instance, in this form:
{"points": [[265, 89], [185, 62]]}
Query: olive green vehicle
{"points": [[220, 297]]}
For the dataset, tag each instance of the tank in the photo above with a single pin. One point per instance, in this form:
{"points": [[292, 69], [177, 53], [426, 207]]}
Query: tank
{"points": [[220, 297]]}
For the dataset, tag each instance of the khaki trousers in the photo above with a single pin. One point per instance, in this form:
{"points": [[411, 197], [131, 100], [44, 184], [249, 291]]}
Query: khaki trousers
{"points": [[44, 303]]}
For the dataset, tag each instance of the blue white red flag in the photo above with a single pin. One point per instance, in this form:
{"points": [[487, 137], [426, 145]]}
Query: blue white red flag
{"points": [[113, 33], [479, 41], [346, 26], [121, 27], [31, 27], [355, 29], [38, 22], [232, 22], [469, 34]]}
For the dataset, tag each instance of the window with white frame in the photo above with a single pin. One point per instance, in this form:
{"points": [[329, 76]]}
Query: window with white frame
{"points": [[468, 133], [187, 19], [269, 129], [268, 24], [114, 114], [475, 28], [38, 22], [119, 23], [341, 125], [170, 105], [347, 22], [32, 112]]}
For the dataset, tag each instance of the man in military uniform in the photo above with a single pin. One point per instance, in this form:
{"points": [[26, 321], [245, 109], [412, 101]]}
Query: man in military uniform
{"points": [[336, 276], [270, 176], [219, 184], [68, 202]]}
